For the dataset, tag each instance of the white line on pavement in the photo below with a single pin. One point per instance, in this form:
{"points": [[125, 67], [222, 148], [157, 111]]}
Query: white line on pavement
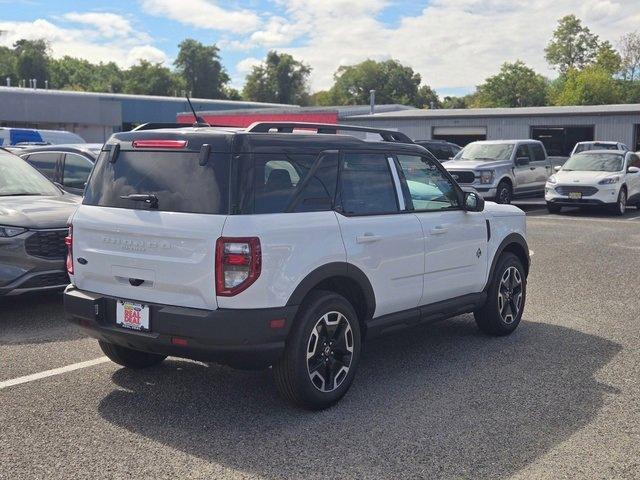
{"points": [[576, 219], [51, 373]]}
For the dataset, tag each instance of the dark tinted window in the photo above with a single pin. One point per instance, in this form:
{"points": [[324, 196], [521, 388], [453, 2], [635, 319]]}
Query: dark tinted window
{"points": [[177, 180], [523, 152], [367, 185], [45, 163], [281, 182], [76, 170], [537, 151], [634, 160]]}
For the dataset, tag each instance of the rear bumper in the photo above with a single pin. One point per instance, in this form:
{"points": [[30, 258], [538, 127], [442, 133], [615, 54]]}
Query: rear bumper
{"points": [[239, 338]]}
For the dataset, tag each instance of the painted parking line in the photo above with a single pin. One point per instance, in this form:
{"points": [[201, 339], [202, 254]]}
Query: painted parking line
{"points": [[53, 372]]}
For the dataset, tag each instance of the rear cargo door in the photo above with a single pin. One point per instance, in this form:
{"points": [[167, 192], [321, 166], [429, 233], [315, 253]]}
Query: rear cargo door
{"points": [[148, 226]]}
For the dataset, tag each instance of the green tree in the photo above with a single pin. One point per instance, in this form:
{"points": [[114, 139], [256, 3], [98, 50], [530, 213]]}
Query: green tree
{"points": [[148, 78], [392, 81], [72, 72], [608, 58], [572, 45], [201, 70], [589, 86], [281, 79], [427, 98], [32, 60], [630, 53], [455, 102], [516, 85], [7, 66], [107, 77], [322, 97]]}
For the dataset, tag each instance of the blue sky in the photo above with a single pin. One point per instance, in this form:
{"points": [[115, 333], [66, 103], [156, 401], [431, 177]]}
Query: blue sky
{"points": [[453, 44]]}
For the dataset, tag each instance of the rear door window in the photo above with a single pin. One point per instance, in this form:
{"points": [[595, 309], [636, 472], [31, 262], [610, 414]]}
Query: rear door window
{"points": [[367, 186], [45, 163], [177, 179]]}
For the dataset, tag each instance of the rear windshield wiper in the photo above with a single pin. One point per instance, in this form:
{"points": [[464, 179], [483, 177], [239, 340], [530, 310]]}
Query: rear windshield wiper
{"points": [[148, 198]]}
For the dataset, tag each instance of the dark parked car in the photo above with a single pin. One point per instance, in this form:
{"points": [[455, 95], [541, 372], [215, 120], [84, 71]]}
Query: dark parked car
{"points": [[33, 226], [440, 149], [66, 165]]}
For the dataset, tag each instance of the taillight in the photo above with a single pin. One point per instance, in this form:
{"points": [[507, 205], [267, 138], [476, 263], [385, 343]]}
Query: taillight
{"points": [[238, 264], [159, 143], [68, 241]]}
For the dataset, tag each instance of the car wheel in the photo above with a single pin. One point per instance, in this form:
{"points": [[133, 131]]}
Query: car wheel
{"points": [[501, 313], [620, 207], [504, 192], [553, 208], [321, 354], [128, 357]]}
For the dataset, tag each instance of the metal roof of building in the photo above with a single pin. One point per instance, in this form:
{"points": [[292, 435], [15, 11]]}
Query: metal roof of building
{"points": [[633, 108], [343, 110]]}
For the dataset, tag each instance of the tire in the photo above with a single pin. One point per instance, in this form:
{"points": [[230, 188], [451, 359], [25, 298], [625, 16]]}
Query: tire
{"points": [[130, 358], [504, 192], [553, 208], [295, 376], [620, 207], [495, 317]]}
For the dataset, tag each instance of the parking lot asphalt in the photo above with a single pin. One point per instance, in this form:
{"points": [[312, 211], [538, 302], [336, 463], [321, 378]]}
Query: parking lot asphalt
{"points": [[560, 398]]}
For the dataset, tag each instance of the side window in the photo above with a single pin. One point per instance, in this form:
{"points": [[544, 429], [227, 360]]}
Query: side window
{"points": [[76, 170], [280, 182], [523, 151], [45, 163], [634, 160], [537, 153], [429, 188], [367, 185]]}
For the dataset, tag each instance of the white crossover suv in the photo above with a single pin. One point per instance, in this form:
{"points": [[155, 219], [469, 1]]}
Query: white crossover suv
{"points": [[283, 245], [609, 178]]}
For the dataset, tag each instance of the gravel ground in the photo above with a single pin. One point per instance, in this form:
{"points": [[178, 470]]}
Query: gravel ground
{"points": [[560, 398]]}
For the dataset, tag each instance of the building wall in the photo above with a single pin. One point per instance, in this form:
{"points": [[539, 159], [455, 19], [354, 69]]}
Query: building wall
{"points": [[618, 127]]}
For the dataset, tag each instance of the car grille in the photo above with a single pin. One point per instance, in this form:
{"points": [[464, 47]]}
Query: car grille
{"points": [[585, 191], [463, 177], [46, 280], [47, 244]]}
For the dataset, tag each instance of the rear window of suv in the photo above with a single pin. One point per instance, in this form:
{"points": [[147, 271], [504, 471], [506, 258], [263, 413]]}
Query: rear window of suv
{"points": [[177, 179]]}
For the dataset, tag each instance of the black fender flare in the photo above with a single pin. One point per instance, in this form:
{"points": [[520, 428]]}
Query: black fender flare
{"points": [[511, 239], [335, 269]]}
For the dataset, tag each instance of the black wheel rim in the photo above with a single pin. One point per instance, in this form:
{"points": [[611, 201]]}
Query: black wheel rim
{"points": [[330, 351], [510, 295], [505, 195]]}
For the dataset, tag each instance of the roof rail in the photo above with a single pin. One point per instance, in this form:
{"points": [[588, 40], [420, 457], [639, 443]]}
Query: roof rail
{"points": [[288, 127]]}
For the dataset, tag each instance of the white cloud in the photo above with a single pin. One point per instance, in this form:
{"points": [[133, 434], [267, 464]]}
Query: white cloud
{"points": [[245, 66], [108, 24], [204, 14]]}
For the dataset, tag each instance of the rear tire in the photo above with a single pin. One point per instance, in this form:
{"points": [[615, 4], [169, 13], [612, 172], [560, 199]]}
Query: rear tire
{"points": [[501, 313], [321, 354], [130, 358], [504, 192], [553, 208]]}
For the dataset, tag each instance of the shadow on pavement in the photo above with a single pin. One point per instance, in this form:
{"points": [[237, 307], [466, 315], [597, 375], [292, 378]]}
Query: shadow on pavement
{"points": [[444, 401]]}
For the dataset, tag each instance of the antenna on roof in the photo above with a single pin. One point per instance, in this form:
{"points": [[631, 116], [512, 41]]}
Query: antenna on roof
{"points": [[199, 120]]}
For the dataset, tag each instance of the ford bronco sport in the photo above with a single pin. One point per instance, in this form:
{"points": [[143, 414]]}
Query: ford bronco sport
{"points": [[283, 245]]}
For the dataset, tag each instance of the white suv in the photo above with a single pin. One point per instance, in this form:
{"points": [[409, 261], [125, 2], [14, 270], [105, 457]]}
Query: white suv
{"points": [[273, 246]]}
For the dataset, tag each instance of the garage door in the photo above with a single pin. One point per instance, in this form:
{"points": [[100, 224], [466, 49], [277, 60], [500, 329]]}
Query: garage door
{"points": [[459, 135]]}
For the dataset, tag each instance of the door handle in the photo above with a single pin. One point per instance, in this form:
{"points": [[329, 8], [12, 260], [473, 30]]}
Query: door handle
{"points": [[438, 230], [367, 238]]}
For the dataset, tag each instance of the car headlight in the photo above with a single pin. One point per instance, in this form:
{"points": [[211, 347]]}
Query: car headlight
{"points": [[552, 179], [486, 176], [11, 231], [609, 181]]}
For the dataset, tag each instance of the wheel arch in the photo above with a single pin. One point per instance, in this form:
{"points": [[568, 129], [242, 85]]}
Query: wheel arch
{"points": [[513, 243], [342, 278]]}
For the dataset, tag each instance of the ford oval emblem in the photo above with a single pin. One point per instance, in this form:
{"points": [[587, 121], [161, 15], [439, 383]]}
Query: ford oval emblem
{"points": [[455, 177]]}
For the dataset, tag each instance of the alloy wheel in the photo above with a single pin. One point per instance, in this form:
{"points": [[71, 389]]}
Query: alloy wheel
{"points": [[510, 295], [330, 351], [622, 202], [504, 196]]}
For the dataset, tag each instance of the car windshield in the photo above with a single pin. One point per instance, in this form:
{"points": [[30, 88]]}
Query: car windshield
{"points": [[17, 177], [488, 152], [583, 147], [594, 162]]}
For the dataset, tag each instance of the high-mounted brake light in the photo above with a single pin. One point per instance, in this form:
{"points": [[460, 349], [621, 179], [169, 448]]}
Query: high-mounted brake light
{"points": [[159, 143], [68, 241], [238, 264]]}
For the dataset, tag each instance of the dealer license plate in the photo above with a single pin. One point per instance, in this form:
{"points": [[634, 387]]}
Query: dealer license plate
{"points": [[134, 316], [575, 195]]}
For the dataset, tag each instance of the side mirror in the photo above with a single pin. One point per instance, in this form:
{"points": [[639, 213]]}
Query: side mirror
{"points": [[557, 168], [633, 170], [473, 202], [521, 161]]}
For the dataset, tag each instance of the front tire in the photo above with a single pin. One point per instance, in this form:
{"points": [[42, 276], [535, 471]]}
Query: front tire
{"points": [[321, 354], [501, 313], [553, 208], [620, 207], [129, 358], [504, 192]]}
